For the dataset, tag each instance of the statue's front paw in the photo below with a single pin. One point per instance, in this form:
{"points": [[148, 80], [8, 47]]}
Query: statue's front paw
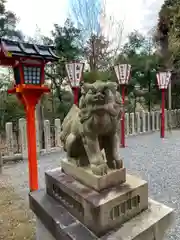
{"points": [[117, 164], [75, 161], [99, 170]]}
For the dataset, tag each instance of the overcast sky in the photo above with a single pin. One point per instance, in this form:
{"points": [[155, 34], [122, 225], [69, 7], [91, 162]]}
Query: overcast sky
{"points": [[138, 14]]}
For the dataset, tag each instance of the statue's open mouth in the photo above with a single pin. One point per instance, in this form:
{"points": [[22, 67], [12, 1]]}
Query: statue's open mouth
{"points": [[99, 98]]}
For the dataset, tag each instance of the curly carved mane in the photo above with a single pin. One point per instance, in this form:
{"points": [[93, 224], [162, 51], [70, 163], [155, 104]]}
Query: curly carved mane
{"points": [[99, 98]]}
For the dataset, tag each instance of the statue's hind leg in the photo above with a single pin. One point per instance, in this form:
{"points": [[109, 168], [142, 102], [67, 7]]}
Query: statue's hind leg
{"points": [[76, 152], [110, 145], [83, 158], [71, 149]]}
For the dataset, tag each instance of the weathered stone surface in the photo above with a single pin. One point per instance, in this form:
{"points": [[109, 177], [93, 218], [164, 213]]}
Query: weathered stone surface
{"points": [[85, 176], [55, 222], [9, 139], [23, 137], [94, 127], [99, 211], [56, 219], [42, 232], [47, 135], [149, 225], [57, 124]]}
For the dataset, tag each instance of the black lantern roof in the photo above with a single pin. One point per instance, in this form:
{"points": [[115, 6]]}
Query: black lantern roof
{"points": [[22, 49]]}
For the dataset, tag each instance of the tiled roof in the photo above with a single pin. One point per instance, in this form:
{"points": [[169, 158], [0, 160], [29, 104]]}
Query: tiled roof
{"points": [[18, 49]]}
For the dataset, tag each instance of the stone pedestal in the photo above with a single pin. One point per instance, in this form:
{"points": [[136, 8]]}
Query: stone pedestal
{"points": [[42, 232], [79, 205], [86, 177], [54, 222], [99, 211]]}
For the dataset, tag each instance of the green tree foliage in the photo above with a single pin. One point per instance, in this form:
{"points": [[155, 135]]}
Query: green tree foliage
{"points": [[10, 109], [92, 76], [164, 26], [168, 38], [139, 53], [168, 33], [65, 40], [8, 21]]}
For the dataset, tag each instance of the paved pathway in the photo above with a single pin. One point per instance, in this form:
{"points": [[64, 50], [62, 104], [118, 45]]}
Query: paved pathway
{"points": [[147, 156]]}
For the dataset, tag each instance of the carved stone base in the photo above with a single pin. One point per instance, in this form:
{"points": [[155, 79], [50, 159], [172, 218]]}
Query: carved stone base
{"points": [[99, 211], [54, 222], [86, 177]]}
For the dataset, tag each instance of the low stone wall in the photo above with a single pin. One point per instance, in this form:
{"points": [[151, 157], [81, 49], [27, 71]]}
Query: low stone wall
{"points": [[135, 124]]}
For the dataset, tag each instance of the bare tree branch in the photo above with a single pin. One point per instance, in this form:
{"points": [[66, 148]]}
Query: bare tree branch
{"points": [[101, 34]]}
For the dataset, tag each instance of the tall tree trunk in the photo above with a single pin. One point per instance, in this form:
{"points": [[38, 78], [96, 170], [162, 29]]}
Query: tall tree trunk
{"points": [[92, 58]]}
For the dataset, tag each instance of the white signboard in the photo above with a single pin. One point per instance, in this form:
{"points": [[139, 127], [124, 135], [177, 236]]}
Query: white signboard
{"points": [[70, 71], [163, 79], [74, 71], [123, 73], [78, 72]]}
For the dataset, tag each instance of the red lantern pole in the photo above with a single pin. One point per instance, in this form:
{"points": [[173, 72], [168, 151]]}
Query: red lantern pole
{"points": [[123, 74], [32, 154], [29, 100], [123, 119], [76, 94], [163, 113], [163, 79]]}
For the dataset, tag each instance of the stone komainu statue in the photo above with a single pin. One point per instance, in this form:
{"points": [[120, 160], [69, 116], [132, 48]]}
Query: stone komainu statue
{"points": [[94, 127]]}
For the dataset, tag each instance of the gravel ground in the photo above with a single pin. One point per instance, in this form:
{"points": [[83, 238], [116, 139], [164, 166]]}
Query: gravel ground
{"points": [[157, 161], [147, 156], [16, 220], [17, 174]]}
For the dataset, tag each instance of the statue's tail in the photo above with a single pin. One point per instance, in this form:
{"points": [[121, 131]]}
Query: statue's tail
{"points": [[67, 123], [63, 138]]}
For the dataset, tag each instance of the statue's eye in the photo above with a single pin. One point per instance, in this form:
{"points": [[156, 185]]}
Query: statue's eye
{"points": [[93, 90], [104, 91]]}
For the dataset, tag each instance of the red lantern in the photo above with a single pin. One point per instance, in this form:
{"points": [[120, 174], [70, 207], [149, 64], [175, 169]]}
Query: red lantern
{"points": [[163, 79], [74, 72], [28, 62], [123, 75]]}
